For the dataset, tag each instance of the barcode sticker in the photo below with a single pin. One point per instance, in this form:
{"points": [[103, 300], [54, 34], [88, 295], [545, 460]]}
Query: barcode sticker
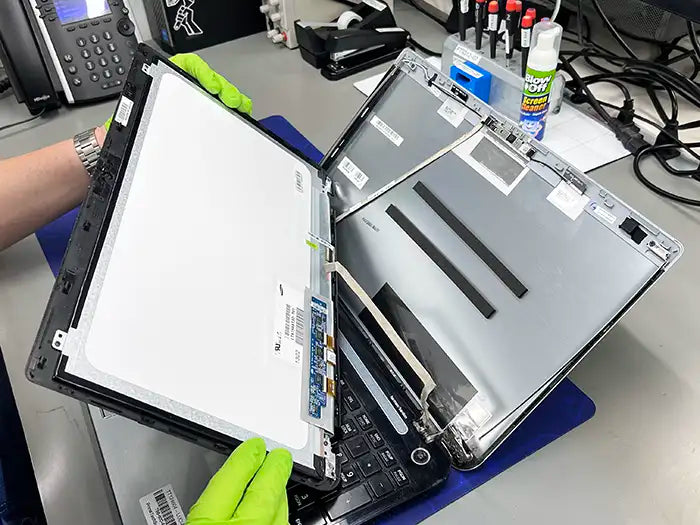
{"points": [[603, 213], [467, 54], [288, 335], [162, 507], [386, 130], [453, 112], [353, 173], [299, 181], [123, 111]]}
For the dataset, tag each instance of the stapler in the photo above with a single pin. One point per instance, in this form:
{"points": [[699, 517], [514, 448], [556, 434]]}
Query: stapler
{"points": [[355, 41]]}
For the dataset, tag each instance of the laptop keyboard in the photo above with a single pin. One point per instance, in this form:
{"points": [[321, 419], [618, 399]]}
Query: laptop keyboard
{"points": [[370, 470]]}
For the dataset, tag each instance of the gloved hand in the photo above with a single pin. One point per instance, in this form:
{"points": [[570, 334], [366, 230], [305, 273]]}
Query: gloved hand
{"points": [[227, 501], [211, 81]]}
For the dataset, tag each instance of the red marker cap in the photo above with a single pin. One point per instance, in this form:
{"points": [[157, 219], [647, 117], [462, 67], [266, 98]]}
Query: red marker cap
{"points": [[532, 13], [510, 6], [480, 1], [518, 6], [527, 22], [493, 6]]}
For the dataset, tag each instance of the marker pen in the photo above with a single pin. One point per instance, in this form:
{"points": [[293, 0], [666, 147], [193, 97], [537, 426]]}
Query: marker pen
{"points": [[511, 18], [463, 10], [518, 22], [493, 27], [525, 36], [479, 9]]}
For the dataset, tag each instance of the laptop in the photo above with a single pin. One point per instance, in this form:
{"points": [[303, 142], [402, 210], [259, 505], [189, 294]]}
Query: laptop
{"points": [[389, 314]]}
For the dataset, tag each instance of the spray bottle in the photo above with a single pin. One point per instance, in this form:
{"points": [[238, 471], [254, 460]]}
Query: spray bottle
{"points": [[541, 70]]}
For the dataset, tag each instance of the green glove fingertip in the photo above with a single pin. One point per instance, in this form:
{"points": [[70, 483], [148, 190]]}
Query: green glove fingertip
{"points": [[108, 123]]}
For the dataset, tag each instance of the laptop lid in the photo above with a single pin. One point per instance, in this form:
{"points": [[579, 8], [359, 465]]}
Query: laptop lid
{"points": [[192, 296], [498, 263]]}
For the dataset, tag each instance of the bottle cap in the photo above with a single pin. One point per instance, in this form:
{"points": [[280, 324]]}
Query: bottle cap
{"points": [[510, 6], [527, 22], [532, 13], [493, 6]]}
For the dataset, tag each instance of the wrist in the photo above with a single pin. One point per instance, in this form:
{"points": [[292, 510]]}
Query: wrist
{"points": [[88, 146]]}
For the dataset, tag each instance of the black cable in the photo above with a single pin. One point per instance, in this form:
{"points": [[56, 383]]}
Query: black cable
{"points": [[612, 29], [8, 126], [693, 39], [422, 48], [653, 187]]}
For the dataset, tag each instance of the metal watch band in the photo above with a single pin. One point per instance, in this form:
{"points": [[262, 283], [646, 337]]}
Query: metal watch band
{"points": [[87, 148]]}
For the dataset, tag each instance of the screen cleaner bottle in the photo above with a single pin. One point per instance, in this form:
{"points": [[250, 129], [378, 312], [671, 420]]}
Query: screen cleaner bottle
{"points": [[541, 70]]}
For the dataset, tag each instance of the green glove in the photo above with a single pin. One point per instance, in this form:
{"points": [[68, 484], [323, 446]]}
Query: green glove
{"points": [[211, 81], [249, 489]]}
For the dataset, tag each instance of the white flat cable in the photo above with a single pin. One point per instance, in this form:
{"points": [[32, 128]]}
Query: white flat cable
{"points": [[411, 359], [381, 191]]}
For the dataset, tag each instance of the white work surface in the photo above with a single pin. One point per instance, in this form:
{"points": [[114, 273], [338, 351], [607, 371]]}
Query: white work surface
{"points": [[637, 461]]}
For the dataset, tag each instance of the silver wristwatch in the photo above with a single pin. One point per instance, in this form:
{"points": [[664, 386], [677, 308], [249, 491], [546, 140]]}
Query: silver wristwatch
{"points": [[87, 148]]}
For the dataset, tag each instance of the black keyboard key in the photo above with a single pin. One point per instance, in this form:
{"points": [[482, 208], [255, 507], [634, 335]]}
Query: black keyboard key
{"points": [[387, 457], [357, 446], [312, 516], [375, 439], [364, 421], [349, 501], [300, 497], [351, 401], [348, 429], [399, 476], [342, 456], [349, 475], [368, 465], [380, 485]]}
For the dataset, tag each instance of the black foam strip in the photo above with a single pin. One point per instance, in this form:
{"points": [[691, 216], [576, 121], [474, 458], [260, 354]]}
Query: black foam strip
{"points": [[471, 240], [467, 288]]}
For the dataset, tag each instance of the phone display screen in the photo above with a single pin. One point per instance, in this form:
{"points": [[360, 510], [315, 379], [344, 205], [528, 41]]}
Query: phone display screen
{"points": [[70, 11]]}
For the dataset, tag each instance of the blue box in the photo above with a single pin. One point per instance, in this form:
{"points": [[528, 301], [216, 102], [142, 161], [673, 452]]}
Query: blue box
{"points": [[473, 78]]}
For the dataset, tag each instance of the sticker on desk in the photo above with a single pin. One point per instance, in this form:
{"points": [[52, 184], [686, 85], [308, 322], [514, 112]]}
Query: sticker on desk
{"points": [[162, 507], [467, 54], [123, 111], [386, 130], [353, 173], [453, 112], [603, 213], [288, 335], [568, 200], [377, 5]]}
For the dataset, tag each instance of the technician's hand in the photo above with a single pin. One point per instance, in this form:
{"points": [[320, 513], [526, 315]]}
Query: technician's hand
{"points": [[211, 81], [249, 489]]}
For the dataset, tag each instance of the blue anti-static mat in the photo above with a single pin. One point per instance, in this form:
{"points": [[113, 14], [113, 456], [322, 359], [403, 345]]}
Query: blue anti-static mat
{"points": [[564, 409]]}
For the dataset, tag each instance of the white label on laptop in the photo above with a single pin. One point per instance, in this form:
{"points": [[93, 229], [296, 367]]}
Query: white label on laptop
{"points": [[123, 111], [568, 200], [162, 507], [353, 173], [435, 91], [603, 213], [377, 5], [288, 336], [467, 54], [389, 30], [386, 130], [453, 112]]}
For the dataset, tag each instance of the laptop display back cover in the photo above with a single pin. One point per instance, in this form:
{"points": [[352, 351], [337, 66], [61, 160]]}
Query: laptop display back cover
{"points": [[189, 295], [499, 263]]}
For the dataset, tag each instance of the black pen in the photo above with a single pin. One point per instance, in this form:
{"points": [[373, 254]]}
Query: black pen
{"points": [[463, 10], [479, 9], [510, 28], [493, 27], [525, 36]]}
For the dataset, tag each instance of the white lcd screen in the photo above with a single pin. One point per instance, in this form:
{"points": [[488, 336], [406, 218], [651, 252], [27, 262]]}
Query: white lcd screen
{"points": [[216, 217]]}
